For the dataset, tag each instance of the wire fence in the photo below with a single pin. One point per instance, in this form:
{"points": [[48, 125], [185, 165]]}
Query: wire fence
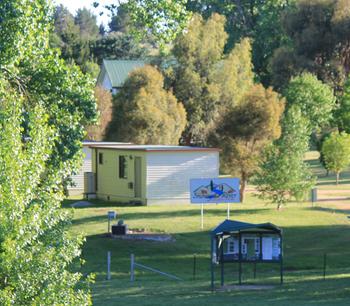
{"points": [[299, 267]]}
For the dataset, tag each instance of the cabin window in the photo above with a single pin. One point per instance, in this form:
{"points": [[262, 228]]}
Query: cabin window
{"points": [[123, 167], [230, 246], [100, 158]]}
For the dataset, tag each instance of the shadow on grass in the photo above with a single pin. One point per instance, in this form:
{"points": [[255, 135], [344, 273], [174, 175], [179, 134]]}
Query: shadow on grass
{"points": [[331, 210], [333, 183], [96, 203], [165, 215]]}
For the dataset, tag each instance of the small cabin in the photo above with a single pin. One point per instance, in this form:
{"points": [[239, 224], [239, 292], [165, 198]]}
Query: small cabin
{"points": [[241, 242], [149, 174]]}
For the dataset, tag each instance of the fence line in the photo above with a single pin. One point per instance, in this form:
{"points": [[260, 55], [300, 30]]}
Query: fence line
{"points": [[134, 264]]}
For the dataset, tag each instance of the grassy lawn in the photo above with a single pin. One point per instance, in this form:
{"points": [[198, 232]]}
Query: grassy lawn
{"points": [[309, 232]]}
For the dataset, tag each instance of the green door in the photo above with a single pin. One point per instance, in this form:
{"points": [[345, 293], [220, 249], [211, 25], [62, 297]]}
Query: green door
{"points": [[137, 177]]}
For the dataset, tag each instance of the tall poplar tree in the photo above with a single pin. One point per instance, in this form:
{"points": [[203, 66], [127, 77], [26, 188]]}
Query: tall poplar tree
{"points": [[44, 106]]}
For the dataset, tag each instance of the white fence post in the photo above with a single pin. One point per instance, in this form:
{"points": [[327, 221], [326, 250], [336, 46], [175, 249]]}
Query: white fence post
{"points": [[132, 267], [108, 265], [202, 216]]}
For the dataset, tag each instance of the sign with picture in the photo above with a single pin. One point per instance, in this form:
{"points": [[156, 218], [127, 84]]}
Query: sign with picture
{"points": [[214, 190]]}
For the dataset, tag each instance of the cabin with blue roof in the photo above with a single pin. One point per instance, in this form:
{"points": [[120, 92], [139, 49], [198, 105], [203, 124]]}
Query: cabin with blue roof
{"points": [[241, 242]]}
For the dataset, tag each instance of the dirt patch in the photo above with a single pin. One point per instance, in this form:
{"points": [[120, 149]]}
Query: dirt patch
{"points": [[146, 237], [245, 287]]}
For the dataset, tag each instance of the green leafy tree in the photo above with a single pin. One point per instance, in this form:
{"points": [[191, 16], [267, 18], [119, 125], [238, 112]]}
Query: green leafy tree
{"points": [[336, 152], [234, 75], [247, 129], [162, 19], [44, 107], [342, 113], [319, 34], [283, 174], [66, 33], [87, 23], [203, 79], [117, 46], [145, 113], [314, 98], [258, 20], [73, 35], [197, 52], [120, 21]]}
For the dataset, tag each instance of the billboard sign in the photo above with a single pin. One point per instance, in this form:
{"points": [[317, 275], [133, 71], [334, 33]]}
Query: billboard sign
{"points": [[214, 190]]}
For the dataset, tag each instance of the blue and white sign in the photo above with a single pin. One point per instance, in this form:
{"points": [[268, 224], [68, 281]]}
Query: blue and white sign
{"points": [[214, 190]]}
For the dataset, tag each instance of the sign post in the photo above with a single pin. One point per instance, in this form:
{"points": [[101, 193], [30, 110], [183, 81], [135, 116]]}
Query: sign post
{"points": [[214, 190], [202, 215], [110, 215]]}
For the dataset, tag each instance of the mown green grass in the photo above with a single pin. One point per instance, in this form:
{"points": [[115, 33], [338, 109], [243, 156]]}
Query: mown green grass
{"points": [[309, 232]]}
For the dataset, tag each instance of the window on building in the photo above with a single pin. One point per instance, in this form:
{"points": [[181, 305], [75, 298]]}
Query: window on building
{"points": [[123, 167], [230, 246], [100, 158]]}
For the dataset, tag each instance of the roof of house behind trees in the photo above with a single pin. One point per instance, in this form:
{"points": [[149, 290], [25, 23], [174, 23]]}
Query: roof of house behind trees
{"points": [[118, 70]]}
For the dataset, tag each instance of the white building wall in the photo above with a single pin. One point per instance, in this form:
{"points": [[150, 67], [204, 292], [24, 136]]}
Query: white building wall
{"points": [[106, 82], [169, 173], [78, 179]]}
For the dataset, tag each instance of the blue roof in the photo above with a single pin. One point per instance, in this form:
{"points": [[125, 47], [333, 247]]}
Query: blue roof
{"points": [[231, 226]]}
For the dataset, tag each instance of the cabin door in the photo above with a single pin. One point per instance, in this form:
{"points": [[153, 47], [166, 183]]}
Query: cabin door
{"points": [[137, 177]]}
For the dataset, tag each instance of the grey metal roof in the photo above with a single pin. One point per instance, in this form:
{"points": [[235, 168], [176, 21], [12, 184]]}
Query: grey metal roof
{"points": [[119, 70], [154, 148], [92, 143], [231, 226]]}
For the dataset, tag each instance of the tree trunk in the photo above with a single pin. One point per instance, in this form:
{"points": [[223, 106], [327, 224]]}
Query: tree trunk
{"points": [[243, 184], [337, 178]]}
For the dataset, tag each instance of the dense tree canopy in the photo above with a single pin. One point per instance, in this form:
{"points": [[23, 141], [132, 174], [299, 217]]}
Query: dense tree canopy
{"points": [[315, 99], [198, 52], [283, 174], [145, 113], [342, 113], [319, 33], [164, 19], [247, 129], [44, 107], [336, 152]]}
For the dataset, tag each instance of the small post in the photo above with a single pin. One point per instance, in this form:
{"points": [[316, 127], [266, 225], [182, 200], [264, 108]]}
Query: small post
{"points": [[222, 263], [108, 265], [254, 270], [212, 241], [109, 226], [132, 266], [228, 211], [324, 265], [240, 259], [281, 259], [202, 216], [313, 196], [194, 266]]}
